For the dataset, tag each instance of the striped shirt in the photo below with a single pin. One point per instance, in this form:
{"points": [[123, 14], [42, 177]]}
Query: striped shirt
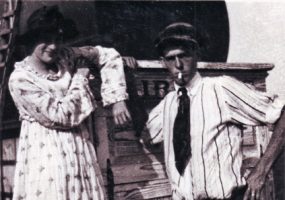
{"points": [[219, 105]]}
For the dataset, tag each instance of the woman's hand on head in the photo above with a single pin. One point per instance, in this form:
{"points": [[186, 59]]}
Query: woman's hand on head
{"points": [[65, 59], [121, 113], [82, 67], [84, 72]]}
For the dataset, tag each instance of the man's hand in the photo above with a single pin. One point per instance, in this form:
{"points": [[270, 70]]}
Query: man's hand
{"points": [[130, 62], [257, 177], [255, 182], [121, 113]]}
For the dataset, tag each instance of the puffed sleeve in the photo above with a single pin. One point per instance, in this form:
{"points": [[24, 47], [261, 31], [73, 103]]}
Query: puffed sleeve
{"points": [[45, 108], [155, 123], [244, 104], [110, 63]]}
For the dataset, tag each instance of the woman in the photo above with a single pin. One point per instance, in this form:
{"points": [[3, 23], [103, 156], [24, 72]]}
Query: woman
{"points": [[56, 160]]}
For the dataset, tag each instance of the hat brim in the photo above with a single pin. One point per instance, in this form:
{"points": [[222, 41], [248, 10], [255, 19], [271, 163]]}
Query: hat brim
{"points": [[69, 31], [166, 42]]}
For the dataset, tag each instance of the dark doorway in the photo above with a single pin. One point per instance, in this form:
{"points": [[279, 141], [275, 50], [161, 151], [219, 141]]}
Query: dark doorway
{"points": [[131, 27]]}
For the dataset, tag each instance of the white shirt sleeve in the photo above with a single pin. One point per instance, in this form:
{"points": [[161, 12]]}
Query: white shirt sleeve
{"points": [[246, 105], [46, 108], [113, 88], [155, 123], [110, 63]]}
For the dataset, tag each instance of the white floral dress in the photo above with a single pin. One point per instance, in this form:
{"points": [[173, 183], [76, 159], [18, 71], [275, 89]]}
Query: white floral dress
{"points": [[55, 159]]}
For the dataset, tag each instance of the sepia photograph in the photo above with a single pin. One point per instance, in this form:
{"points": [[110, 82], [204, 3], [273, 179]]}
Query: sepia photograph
{"points": [[142, 99]]}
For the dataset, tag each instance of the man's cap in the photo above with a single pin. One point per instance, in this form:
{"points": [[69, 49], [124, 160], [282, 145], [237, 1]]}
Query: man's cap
{"points": [[179, 33], [47, 20]]}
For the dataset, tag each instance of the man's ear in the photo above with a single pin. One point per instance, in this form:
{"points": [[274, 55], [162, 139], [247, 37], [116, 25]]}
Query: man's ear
{"points": [[162, 61]]}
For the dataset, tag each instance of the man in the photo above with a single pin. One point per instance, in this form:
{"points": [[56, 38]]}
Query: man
{"points": [[200, 122]]}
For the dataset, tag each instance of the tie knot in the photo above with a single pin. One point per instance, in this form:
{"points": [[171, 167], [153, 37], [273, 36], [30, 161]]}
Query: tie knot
{"points": [[182, 91]]}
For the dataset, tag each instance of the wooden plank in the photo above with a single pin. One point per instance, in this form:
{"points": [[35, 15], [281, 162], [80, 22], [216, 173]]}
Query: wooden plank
{"points": [[140, 172], [125, 186], [17, 145], [150, 64], [9, 149], [153, 156], [248, 136], [131, 148], [264, 136], [234, 66], [8, 178], [101, 131], [157, 189]]}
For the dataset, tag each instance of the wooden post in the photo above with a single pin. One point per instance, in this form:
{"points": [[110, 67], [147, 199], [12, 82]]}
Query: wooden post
{"points": [[8, 22]]}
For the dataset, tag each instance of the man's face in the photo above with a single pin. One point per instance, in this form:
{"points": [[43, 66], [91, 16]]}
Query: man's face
{"points": [[181, 63]]}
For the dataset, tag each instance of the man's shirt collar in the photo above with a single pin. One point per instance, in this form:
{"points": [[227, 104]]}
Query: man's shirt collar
{"points": [[192, 86]]}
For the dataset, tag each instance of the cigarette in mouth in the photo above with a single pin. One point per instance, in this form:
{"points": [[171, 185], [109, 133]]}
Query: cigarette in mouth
{"points": [[179, 75]]}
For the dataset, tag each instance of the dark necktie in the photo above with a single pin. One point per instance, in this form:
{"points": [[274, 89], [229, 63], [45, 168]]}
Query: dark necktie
{"points": [[181, 132]]}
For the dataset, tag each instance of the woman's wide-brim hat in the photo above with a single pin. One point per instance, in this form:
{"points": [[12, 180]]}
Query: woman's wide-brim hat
{"points": [[45, 22]]}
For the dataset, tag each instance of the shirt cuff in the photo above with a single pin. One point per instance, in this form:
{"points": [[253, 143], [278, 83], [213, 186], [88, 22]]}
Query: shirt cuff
{"points": [[273, 114], [114, 96]]}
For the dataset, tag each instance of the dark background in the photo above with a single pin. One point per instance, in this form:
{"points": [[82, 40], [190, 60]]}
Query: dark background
{"points": [[132, 26]]}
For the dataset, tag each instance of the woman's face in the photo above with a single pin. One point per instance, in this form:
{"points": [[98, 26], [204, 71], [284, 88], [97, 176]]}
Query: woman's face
{"points": [[48, 42], [46, 53]]}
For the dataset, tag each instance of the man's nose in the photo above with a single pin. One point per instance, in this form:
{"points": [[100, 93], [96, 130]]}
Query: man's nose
{"points": [[178, 63]]}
